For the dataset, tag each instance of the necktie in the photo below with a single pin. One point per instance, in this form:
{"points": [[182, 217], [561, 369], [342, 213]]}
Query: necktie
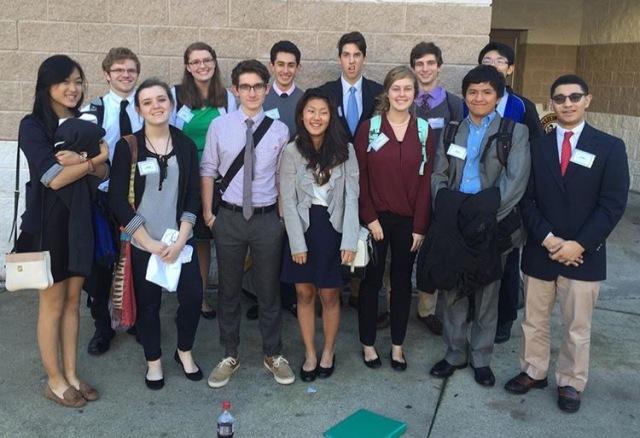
{"points": [[352, 111], [247, 206], [125, 123], [565, 156], [284, 95]]}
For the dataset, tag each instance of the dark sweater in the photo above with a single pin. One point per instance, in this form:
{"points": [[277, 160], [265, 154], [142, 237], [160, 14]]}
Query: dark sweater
{"points": [[389, 178], [286, 107]]}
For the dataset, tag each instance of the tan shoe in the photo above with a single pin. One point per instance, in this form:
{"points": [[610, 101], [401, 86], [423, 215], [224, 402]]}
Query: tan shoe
{"points": [[221, 374], [279, 367], [70, 399], [88, 392]]}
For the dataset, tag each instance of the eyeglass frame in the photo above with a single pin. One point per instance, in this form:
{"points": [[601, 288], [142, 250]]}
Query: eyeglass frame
{"points": [[121, 71], [260, 87], [199, 62], [495, 62]]}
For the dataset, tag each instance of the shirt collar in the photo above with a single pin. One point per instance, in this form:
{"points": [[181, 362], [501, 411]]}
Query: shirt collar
{"points": [[436, 92], [279, 92], [257, 119], [116, 98], [576, 131], [346, 85], [485, 122]]}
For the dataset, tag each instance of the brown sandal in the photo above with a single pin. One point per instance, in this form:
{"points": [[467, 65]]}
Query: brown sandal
{"points": [[71, 397], [88, 392]]}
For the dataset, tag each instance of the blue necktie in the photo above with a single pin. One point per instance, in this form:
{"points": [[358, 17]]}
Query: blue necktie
{"points": [[352, 111]]}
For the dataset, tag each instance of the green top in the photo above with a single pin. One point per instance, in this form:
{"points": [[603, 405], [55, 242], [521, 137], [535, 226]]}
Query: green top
{"points": [[197, 127]]}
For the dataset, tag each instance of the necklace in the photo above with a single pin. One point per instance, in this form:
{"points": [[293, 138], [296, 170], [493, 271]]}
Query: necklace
{"points": [[161, 159], [403, 123]]}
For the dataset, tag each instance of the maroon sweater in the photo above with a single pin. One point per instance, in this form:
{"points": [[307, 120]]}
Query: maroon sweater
{"points": [[389, 178]]}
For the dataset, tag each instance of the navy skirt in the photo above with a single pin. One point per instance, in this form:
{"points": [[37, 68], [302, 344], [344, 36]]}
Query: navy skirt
{"points": [[323, 254]]}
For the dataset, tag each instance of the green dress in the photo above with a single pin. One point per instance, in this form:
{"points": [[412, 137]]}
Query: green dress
{"points": [[198, 126]]}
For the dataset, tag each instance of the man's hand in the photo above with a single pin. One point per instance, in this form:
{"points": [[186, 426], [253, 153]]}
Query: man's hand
{"points": [[209, 218], [569, 253], [553, 243]]}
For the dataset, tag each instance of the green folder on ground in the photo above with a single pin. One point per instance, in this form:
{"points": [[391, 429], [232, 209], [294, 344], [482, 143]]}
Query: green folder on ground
{"points": [[367, 424]]}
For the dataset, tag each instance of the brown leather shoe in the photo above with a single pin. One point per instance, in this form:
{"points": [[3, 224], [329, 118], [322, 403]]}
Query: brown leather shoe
{"points": [[522, 383], [88, 392], [70, 399], [568, 399]]}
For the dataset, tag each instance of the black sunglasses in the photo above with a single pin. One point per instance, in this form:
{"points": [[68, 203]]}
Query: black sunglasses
{"points": [[559, 99]]}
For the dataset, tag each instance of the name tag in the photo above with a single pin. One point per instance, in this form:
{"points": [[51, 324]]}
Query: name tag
{"points": [[583, 158], [378, 142], [148, 167], [185, 114], [436, 122], [457, 151], [273, 113]]}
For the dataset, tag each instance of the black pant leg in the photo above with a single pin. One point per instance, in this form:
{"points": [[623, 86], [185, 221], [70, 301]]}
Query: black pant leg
{"points": [[189, 301], [509, 288], [369, 288], [98, 286], [148, 299], [401, 268]]}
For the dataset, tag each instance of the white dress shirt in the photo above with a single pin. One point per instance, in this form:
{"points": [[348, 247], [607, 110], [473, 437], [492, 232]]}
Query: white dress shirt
{"points": [[279, 92], [573, 140], [346, 86]]}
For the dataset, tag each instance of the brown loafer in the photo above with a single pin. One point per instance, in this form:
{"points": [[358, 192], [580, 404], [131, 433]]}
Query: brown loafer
{"points": [[70, 399], [88, 392], [522, 383]]}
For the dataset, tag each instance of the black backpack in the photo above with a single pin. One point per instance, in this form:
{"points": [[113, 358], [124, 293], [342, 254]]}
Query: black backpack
{"points": [[503, 138]]}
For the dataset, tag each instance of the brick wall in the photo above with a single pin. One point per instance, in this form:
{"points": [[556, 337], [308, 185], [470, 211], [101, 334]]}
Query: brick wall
{"points": [[159, 30]]}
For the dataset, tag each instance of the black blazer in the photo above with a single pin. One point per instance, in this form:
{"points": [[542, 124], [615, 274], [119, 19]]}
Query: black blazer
{"points": [[584, 205], [188, 182], [370, 91]]}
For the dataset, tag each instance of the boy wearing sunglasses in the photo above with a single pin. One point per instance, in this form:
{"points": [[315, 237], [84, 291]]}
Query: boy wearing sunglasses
{"points": [[577, 193]]}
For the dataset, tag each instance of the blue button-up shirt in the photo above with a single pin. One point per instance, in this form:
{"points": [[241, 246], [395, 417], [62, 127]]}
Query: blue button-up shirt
{"points": [[471, 182]]}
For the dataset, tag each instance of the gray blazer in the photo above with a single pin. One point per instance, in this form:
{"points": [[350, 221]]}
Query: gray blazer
{"points": [[296, 195], [512, 180]]}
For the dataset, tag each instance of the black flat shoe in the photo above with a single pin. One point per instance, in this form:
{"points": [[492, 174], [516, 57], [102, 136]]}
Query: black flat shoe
{"points": [[444, 369], [484, 376], [308, 376], [153, 384], [208, 314], [374, 363], [323, 372], [100, 343], [503, 332], [397, 365], [252, 312], [195, 376]]}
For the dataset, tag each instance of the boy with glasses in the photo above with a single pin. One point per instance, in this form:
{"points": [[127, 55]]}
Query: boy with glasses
{"points": [[577, 194], [247, 218], [116, 113], [520, 110]]}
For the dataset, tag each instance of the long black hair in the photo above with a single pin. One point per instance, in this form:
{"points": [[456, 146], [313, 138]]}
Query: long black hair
{"points": [[334, 149], [53, 70]]}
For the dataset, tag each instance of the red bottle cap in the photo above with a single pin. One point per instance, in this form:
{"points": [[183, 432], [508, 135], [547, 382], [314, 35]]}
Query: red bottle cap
{"points": [[226, 405]]}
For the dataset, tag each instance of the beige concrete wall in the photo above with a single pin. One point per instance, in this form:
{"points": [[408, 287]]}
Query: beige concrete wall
{"points": [[547, 21], [616, 21], [159, 30]]}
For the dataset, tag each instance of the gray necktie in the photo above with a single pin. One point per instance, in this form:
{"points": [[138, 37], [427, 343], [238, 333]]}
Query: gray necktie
{"points": [[247, 206]]}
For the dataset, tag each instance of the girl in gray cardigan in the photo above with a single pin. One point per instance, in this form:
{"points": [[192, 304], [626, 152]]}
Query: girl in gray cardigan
{"points": [[319, 195]]}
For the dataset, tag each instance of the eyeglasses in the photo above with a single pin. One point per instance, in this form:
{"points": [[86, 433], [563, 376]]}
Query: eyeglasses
{"points": [[559, 99], [258, 88], [121, 71], [199, 62], [497, 62]]}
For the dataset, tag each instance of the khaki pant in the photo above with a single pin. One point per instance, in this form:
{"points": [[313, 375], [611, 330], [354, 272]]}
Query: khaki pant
{"points": [[427, 303], [577, 301]]}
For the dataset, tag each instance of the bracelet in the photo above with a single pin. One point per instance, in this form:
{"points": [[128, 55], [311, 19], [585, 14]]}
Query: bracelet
{"points": [[91, 168], [83, 156]]}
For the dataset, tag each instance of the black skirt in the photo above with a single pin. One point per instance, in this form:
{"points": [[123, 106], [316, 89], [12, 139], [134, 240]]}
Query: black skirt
{"points": [[55, 238], [323, 254]]}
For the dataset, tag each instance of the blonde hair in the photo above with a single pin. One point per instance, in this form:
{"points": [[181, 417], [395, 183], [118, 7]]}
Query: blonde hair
{"points": [[395, 74]]}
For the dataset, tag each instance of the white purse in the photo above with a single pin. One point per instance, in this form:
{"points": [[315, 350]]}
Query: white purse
{"points": [[363, 250], [28, 270]]}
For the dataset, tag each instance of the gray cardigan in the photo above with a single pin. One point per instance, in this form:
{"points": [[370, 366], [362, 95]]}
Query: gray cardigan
{"points": [[296, 195]]}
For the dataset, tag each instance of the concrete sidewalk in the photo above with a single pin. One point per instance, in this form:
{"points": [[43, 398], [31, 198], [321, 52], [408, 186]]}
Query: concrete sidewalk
{"points": [[430, 407]]}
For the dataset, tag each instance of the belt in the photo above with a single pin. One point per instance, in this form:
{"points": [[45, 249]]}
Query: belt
{"points": [[256, 210]]}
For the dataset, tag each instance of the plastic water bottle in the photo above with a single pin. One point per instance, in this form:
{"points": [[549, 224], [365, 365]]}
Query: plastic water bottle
{"points": [[226, 422]]}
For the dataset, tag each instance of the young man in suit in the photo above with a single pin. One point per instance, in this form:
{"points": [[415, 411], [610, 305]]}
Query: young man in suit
{"points": [[520, 110], [116, 113], [355, 97], [437, 106], [472, 165], [353, 94], [577, 193]]}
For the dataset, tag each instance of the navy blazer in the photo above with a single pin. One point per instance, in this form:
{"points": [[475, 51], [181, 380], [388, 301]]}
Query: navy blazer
{"points": [[370, 91], [585, 205]]}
